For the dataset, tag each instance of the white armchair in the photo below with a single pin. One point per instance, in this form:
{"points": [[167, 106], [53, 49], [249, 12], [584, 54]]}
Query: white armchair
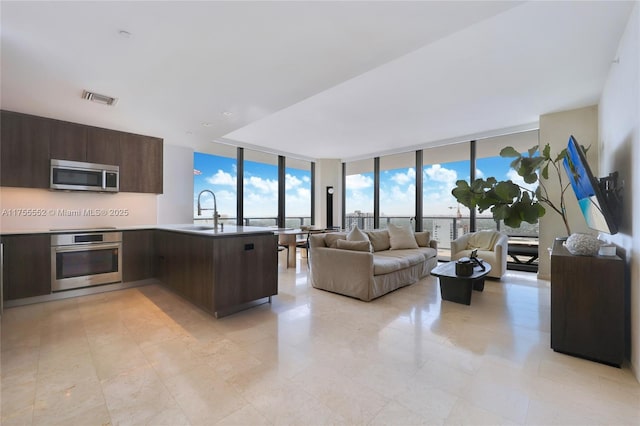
{"points": [[492, 247]]}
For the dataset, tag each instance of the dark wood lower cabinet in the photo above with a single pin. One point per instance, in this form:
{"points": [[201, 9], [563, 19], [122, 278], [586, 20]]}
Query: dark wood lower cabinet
{"points": [[137, 255], [26, 266], [246, 269], [218, 273], [587, 306]]}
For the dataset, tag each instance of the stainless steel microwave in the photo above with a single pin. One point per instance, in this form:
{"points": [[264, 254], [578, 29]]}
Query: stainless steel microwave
{"points": [[79, 176]]}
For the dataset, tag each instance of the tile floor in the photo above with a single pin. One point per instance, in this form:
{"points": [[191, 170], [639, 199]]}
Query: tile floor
{"points": [[145, 356]]}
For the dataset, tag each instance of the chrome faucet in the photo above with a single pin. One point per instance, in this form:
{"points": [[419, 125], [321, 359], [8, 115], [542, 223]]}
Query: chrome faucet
{"points": [[215, 207]]}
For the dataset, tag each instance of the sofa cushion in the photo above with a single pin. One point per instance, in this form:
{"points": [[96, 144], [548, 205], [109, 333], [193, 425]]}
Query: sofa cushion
{"points": [[401, 237], [353, 245], [331, 238], [423, 238], [379, 240], [428, 252], [389, 261]]}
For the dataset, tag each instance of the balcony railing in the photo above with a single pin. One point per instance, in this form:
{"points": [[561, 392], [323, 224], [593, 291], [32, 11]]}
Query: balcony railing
{"points": [[290, 222]]}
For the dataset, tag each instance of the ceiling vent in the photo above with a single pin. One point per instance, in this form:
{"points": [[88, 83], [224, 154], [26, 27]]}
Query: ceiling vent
{"points": [[101, 99]]}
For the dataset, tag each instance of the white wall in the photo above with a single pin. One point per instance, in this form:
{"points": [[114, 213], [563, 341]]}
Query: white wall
{"points": [[175, 205], [555, 129], [620, 151]]}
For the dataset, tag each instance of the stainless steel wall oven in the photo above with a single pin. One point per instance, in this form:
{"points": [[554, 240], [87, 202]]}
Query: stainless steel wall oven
{"points": [[85, 259]]}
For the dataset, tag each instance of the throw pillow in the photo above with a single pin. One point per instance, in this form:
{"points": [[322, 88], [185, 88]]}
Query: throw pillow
{"points": [[357, 235], [401, 237], [423, 238], [353, 245], [379, 240], [331, 239]]}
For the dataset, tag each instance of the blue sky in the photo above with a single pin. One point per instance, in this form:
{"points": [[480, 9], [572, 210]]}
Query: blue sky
{"points": [[219, 174], [397, 187]]}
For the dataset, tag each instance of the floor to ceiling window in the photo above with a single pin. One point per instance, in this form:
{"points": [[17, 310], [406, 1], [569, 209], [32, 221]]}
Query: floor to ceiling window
{"points": [[490, 163], [260, 188], [359, 194], [218, 174], [443, 216], [397, 189], [297, 193]]}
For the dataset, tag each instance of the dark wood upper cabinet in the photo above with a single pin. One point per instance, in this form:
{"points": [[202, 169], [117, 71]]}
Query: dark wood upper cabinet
{"points": [[103, 146], [24, 154], [68, 141], [141, 164], [29, 142], [27, 266]]}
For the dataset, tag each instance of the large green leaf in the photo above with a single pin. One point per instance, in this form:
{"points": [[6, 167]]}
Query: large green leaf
{"points": [[546, 152], [500, 212], [508, 152], [545, 171], [507, 190]]}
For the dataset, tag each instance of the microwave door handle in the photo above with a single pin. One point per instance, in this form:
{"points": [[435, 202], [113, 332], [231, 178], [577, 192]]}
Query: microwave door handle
{"points": [[104, 179]]}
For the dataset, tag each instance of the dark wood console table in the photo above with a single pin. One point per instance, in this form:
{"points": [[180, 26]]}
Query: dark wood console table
{"points": [[587, 305]]}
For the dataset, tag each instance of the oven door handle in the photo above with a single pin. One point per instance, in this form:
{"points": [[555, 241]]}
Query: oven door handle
{"points": [[86, 247]]}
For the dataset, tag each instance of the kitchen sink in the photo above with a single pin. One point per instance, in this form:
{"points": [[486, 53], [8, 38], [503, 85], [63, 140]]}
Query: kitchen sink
{"points": [[198, 228]]}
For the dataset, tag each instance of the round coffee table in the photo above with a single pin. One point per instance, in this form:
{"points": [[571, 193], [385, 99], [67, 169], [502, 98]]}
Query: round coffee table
{"points": [[456, 288]]}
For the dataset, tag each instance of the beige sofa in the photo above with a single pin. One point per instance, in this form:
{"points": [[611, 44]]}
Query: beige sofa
{"points": [[367, 275]]}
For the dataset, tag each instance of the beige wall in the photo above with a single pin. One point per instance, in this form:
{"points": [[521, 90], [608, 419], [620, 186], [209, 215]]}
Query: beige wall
{"points": [[28, 209], [555, 129], [620, 151], [175, 205], [328, 173]]}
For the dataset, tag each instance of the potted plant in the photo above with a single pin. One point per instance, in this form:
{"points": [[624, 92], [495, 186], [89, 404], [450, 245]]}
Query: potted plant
{"points": [[513, 203]]}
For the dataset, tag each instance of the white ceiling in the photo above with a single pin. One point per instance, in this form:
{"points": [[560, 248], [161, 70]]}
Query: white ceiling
{"points": [[311, 79]]}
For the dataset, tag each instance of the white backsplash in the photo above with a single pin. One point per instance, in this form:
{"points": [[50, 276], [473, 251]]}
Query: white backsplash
{"points": [[28, 209]]}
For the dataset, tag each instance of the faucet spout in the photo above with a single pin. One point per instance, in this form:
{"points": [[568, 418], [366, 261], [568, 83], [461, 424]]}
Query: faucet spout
{"points": [[215, 207]]}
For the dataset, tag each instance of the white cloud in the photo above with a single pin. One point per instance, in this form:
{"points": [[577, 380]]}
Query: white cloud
{"points": [[291, 181], [403, 178], [518, 180], [479, 174], [267, 186], [306, 178], [398, 200], [438, 173], [359, 181], [222, 178]]}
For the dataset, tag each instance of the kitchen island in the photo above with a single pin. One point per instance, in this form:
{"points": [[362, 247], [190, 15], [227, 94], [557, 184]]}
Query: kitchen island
{"points": [[219, 271]]}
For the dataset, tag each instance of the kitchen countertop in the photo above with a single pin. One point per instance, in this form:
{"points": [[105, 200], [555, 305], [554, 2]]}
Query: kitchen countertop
{"points": [[187, 228]]}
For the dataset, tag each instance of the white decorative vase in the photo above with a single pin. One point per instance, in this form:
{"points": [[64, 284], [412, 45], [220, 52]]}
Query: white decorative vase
{"points": [[582, 244]]}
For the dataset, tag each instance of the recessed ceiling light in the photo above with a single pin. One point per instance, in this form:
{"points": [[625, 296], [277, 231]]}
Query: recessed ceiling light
{"points": [[206, 124], [227, 113], [98, 98], [124, 34]]}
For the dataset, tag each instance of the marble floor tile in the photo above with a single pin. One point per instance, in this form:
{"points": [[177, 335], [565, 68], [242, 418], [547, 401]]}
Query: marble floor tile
{"points": [[144, 356], [139, 397]]}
